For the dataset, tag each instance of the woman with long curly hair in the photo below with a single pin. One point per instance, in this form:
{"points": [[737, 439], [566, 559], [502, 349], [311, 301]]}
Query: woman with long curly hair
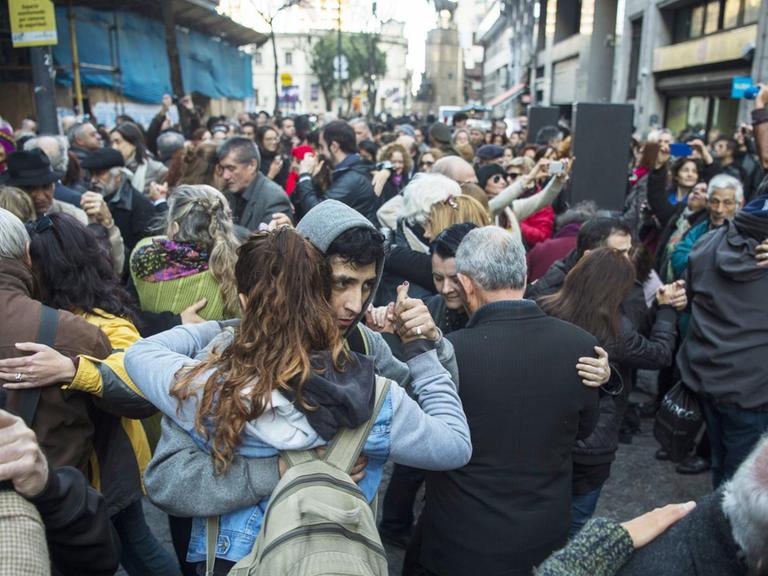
{"points": [[283, 380]]}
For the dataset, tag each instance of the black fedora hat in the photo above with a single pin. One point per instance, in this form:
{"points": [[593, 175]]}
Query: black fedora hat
{"points": [[29, 168]]}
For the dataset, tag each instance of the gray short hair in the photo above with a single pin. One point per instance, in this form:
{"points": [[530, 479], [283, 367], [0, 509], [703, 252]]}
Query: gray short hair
{"points": [[13, 236], [244, 149], [725, 182], [745, 504], [493, 258], [59, 162]]}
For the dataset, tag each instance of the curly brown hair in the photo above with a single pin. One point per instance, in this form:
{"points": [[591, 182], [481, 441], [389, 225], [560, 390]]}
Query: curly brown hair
{"points": [[287, 318]]}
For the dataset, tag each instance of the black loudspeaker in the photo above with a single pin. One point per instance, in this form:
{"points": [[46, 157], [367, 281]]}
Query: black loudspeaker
{"points": [[601, 145], [540, 116]]}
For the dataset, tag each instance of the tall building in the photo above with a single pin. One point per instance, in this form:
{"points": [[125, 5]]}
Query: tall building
{"points": [[443, 82], [674, 60], [506, 33], [677, 62]]}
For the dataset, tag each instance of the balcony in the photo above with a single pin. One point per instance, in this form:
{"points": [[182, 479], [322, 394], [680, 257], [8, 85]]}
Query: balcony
{"points": [[722, 47]]}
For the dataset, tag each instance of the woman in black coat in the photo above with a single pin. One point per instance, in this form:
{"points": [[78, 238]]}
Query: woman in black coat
{"points": [[273, 165], [591, 298]]}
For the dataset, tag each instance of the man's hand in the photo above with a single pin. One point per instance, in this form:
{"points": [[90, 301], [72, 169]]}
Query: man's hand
{"points": [[703, 151], [594, 372], [190, 315], [413, 318], [673, 295], [308, 164], [21, 460], [762, 254], [279, 220], [761, 101], [43, 367], [158, 191], [96, 208], [167, 102], [647, 527], [379, 180], [381, 319]]}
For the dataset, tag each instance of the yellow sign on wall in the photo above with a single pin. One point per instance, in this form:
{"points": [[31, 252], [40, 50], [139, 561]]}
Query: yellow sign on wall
{"points": [[33, 23], [286, 79]]}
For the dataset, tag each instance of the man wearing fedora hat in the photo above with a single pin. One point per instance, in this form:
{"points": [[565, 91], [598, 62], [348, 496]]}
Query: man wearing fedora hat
{"points": [[31, 171]]}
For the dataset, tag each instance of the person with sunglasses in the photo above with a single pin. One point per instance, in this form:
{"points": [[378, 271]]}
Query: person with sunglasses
{"points": [[427, 159]]}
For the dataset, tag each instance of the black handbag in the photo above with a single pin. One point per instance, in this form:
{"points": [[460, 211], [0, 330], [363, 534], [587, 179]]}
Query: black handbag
{"points": [[678, 422]]}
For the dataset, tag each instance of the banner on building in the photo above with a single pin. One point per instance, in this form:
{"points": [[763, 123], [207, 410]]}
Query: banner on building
{"points": [[33, 23]]}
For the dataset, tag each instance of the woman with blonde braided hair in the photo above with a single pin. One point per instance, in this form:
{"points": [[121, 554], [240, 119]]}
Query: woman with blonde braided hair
{"points": [[195, 260]]}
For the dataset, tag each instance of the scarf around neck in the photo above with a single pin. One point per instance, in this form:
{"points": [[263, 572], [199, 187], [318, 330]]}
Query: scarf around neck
{"points": [[165, 259]]}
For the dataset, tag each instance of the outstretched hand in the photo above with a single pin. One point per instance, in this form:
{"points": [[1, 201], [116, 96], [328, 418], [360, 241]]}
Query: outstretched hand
{"points": [[44, 366], [594, 372], [647, 527]]}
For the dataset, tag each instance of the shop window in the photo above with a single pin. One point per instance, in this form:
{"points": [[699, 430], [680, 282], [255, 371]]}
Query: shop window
{"points": [[677, 115], [725, 115]]}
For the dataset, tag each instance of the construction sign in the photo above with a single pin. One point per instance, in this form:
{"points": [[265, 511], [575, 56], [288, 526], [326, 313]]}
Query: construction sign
{"points": [[33, 23]]}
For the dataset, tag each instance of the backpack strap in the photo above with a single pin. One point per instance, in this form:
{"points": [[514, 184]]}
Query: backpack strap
{"points": [[211, 537], [347, 444], [46, 334]]}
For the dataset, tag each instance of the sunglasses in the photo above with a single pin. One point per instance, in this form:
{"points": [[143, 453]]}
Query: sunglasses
{"points": [[512, 175], [497, 178], [426, 163]]}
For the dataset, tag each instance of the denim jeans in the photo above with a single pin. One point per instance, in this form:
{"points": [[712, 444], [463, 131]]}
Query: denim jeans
{"points": [[733, 433], [582, 508], [141, 553]]}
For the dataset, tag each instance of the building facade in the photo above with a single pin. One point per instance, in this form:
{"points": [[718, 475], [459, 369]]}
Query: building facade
{"points": [[298, 86], [675, 60]]}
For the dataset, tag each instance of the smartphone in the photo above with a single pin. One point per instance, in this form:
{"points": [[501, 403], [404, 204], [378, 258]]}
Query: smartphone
{"points": [[679, 150], [555, 168]]}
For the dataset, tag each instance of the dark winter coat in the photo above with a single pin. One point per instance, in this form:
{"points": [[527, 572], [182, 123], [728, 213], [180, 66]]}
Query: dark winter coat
{"points": [[351, 185]]}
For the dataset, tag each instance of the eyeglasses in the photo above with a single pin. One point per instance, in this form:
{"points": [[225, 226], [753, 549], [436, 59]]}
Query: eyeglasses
{"points": [[426, 163], [512, 175]]}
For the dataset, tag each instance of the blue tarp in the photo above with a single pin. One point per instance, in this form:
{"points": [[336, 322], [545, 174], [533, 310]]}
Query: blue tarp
{"points": [[208, 66]]}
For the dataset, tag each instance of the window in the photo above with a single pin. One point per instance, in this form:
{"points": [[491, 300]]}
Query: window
{"points": [[257, 58], [712, 21], [289, 58], [751, 11], [634, 58], [731, 13]]}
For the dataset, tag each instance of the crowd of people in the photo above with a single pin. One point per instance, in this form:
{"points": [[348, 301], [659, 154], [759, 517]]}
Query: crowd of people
{"points": [[245, 320]]}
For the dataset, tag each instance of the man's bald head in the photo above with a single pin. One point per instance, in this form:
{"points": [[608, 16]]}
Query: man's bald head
{"points": [[455, 168]]}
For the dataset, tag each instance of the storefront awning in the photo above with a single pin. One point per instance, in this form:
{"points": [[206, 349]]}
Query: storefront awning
{"points": [[505, 97]]}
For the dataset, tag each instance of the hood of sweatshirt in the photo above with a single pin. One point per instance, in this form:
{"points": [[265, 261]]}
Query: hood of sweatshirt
{"points": [[329, 220], [735, 255]]}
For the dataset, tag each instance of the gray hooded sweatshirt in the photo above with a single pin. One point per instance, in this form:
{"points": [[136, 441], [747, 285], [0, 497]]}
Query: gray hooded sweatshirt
{"points": [[248, 480]]}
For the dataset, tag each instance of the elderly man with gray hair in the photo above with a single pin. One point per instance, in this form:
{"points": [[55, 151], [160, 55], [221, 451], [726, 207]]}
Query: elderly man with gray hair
{"points": [[57, 148], [509, 507]]}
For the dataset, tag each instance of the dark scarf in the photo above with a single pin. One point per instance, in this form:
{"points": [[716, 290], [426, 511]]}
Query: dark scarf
{"points": [[337, 399]]}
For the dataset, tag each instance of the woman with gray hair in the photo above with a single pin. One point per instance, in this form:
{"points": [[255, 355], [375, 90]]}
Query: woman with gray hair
{"points": [[194, 261]]}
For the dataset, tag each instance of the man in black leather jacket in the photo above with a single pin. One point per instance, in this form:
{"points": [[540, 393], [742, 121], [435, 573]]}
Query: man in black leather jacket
{"points": [[351, 176]]}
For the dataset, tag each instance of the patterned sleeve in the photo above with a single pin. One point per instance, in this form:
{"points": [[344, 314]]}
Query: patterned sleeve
{"points": [[601, 548]]}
